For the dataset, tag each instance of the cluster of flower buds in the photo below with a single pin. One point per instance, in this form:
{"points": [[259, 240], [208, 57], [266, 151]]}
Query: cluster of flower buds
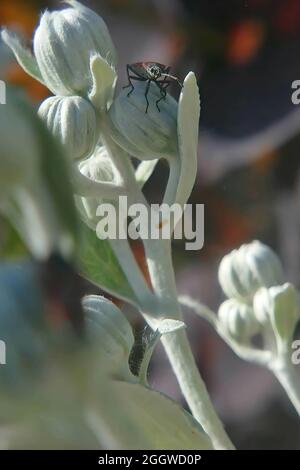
{"points": [[75, 58], [252, 279]]}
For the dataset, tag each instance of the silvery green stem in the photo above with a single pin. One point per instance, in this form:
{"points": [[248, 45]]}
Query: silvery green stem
{"points": [[133, 272], [286, 373], [279, 363], [85, 187], [172, 186], [176, 344], [120, 158]]}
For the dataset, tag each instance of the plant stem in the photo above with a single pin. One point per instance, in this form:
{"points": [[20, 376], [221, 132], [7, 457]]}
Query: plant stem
{"points": [[286, 374], [193, 388], [176, 344]]}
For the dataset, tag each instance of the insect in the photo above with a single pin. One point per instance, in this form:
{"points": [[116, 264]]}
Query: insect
{"points": [[150, 72]]}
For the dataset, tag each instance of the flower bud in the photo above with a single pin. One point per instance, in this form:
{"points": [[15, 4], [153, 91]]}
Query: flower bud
{"points": [[242, 272], [145, 135], [73, 121], [99, 166], [63, 45], [238, 320], [112, 333], [280, 307]]}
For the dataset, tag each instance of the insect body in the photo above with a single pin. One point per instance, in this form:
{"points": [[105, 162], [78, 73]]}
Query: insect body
{"points": [[150, 72]]}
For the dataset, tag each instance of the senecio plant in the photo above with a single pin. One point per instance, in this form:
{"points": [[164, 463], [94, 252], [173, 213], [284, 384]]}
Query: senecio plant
{"points": [[57, 168]]}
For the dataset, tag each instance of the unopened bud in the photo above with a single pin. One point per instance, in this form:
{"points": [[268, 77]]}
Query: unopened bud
{"points": [[73, 121], [279, 307], [238, 320], [145, 135], [63, 45], [242, 272]]}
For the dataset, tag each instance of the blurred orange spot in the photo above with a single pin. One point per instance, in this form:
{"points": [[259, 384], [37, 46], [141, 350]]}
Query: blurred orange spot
{"points": [[21, 16], [177, 44], [16, 76], [231, 225], [265, 161], [139, 253], [245, 40], [17, 13]]}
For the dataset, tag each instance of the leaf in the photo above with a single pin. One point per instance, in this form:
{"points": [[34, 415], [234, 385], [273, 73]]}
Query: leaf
{"points": [[23, 55], [99, 265], [144, 171], [188, 125], [36, 193], [11, 245], [104, 83], [150, 341], [55, 171], [162, 423]]}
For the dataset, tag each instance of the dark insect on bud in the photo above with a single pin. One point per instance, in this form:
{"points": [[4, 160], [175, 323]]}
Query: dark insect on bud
{"points": [[150, 72]]}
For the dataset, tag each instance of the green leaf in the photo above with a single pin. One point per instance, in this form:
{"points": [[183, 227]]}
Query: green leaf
{"points": [[99, 265], [11, 245]]}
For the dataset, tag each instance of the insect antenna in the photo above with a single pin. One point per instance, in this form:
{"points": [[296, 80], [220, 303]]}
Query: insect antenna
{"points": [[172, 77]]}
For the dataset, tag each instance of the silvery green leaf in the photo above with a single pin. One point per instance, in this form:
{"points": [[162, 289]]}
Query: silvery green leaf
{"points": [[144, 171], [112, 334], [35, 190], [161, 421], [104, 82], [187, 128], [150, 342], [23, 55], [53, 429]]}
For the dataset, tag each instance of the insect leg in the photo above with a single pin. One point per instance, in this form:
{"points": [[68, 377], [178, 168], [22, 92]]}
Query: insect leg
{"points": [[163, 93], [146, 95], [129, 79], [132, 77]]}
